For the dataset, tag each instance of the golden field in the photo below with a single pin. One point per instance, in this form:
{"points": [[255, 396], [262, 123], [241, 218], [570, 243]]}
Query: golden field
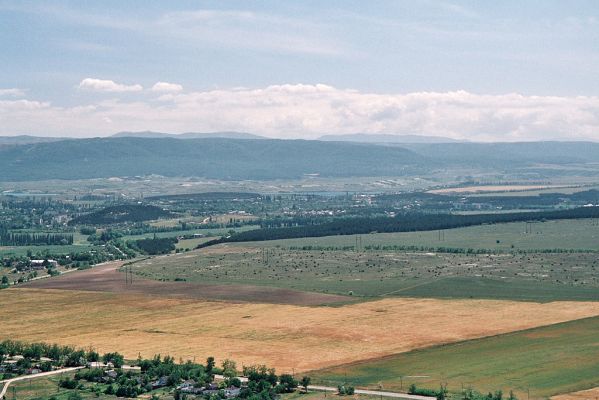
{"points": [[283, 336]]}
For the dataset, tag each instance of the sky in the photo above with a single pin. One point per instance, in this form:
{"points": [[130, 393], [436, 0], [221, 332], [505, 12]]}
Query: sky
{"points": [[475, 70]]}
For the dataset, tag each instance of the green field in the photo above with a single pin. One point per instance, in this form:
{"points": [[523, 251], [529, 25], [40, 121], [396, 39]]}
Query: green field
{"points": [[582, 234], [548, 360], [207, 232], [7, 251], [537, 277], [46, 387]]}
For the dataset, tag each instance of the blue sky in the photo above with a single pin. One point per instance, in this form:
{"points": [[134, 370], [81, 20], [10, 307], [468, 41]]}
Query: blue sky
{"points": [[84, 62]]}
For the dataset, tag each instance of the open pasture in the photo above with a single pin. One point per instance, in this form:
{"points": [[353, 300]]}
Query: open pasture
{"points": [[539, 277], [212, 232], [581, 234], [283, 336], [545, 361], [8, 251]]}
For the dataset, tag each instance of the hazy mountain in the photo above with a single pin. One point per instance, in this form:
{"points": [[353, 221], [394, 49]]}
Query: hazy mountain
{"points": [[507, 155], [239, 159], [216, 158], [189, 135], [387, 138], [27, 139]]}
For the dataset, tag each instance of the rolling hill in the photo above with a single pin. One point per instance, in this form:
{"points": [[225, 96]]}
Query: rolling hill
{"points": [[384, 138], [189, 135], [217, 158], [241, 159]]}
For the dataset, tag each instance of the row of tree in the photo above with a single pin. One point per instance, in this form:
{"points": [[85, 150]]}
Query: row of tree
{"points": [[408, 222], [32, 239]]}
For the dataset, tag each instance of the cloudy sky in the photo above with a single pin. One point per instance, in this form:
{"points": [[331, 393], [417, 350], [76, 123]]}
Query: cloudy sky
{"points": [[491, 71]]}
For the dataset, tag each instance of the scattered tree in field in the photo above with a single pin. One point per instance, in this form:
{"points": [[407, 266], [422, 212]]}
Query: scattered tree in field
{"points": [[305, 382]]}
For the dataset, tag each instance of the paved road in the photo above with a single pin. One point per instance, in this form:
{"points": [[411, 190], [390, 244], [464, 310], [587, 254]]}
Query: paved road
{"points": [[7, 382], [374, 393]]}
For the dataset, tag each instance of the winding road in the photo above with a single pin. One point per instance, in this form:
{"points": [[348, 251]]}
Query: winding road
{"points": [[6, 383]]}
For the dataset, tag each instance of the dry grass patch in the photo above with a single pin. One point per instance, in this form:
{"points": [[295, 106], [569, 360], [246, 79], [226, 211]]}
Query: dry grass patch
{"points": [[582, 395], [284, 336]]}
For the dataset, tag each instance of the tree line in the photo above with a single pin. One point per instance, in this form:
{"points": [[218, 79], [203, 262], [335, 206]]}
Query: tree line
{"points": [[407, 222], [33, 239]]}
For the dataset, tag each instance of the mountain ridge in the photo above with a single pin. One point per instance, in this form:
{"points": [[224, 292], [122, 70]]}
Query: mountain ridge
{"points": [[188, 135]]}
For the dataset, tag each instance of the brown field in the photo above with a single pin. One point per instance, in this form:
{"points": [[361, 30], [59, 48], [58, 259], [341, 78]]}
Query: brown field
{"points": [[590, 394], [494, 188], [284, 336], [107, 278]]}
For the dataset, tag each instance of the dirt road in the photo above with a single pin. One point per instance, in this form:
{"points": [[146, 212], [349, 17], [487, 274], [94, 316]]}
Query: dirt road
{"points": [[34, 376]]}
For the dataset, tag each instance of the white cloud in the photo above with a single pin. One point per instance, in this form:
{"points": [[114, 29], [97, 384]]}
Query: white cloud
{"points": [[308, 111], [166, 87], [104, 85], [13, 92]]}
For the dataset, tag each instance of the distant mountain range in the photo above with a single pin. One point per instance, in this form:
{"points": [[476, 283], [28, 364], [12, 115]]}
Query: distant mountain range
{"points": [[356, 137], [387, 138], [216, 158], [188, 135], [26, 139], [241, 159]]}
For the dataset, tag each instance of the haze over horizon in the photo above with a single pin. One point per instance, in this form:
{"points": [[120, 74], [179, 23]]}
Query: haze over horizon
{"points": [[479, 72]]}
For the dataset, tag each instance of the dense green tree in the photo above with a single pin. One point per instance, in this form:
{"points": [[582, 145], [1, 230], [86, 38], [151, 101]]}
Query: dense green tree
{"points": [[305, 382]]}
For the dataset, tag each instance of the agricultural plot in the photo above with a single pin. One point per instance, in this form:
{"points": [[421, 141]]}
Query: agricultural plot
{"points": [[286, 337], [215, 232], [107, 278], [541, 362], [494, 188], [538, 277], [580, 235], [7, 251]]}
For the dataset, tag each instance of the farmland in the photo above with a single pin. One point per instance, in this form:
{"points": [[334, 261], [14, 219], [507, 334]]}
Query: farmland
{"points": [[331, 264], [495, 188], [284, 336], [580, 234], [547, 360]]}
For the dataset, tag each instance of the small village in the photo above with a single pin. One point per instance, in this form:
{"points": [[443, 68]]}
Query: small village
{"points": [[111, 375]]}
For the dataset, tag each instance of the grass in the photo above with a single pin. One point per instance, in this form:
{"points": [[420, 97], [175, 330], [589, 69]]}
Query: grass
{"points": [[548, 360], [191, 243], [46, 387], [208, 232], [314, 395], [6, 251], [582, 234], [283, 336], [538, 277]]}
